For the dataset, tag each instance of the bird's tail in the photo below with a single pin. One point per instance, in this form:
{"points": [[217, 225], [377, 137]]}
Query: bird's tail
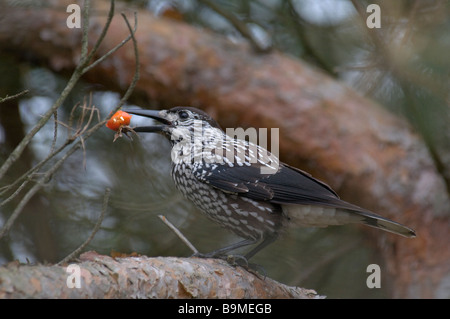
{"points": [[377, 221], [340, 213]]}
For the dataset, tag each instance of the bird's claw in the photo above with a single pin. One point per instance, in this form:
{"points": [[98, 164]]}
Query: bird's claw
{"points": [[235, 260]]}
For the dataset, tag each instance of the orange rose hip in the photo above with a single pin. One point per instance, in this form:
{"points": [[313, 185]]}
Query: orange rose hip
{"points": [[119, 119]]}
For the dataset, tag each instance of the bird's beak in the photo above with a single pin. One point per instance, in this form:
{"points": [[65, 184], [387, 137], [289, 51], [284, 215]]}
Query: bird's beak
{"points": [[157, 115]]}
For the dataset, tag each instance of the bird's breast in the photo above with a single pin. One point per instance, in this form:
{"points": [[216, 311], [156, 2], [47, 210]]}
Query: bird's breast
{"points": [[245, 217]]}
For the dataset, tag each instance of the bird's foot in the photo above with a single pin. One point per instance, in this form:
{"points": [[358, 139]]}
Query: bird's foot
{"points": [[200, 255], [242, 261], [235, 260]]}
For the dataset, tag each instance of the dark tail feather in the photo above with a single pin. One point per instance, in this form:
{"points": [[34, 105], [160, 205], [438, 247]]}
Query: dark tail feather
{"points": [[388, 225], [379, 222]]}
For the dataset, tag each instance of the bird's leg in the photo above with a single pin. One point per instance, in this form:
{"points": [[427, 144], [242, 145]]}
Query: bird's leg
{"points": [[266, 241], [239, 259], [223, 252]]}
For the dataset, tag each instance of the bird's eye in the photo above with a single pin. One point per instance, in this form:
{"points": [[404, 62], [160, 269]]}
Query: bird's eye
{"points": [[183, 115]]}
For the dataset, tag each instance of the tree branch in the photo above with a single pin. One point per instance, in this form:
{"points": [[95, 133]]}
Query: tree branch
{"points": [[15, 96], [143, 277]]}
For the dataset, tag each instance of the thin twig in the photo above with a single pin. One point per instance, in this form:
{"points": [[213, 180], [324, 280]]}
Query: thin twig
{"points": [[6, 98], [81, 68], [240, 26], [307, 46], [133, 81], [25, 178], [16, 192], [77, 251], [85, 33], [107, 54], [34, 190], [17, 152], [178, 233], [55, 132], [102, 34], [81, 136], [137, 64]]}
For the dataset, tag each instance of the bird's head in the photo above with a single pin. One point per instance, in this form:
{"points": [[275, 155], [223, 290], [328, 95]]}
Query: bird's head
{"points": [[178, 123]]}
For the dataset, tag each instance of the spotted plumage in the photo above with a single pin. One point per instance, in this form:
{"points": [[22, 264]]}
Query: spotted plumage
{"points": [[245, 188]]}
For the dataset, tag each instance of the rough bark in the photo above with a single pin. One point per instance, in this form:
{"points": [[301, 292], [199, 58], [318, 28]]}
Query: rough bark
{"points": [[369, 156], [142, 277]]}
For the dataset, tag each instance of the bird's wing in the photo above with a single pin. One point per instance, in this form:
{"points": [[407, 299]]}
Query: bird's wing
{"points": [[288, 185]]}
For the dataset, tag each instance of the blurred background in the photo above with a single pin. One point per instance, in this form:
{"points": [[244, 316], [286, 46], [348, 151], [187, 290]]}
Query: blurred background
{"points": [[410, 77]]}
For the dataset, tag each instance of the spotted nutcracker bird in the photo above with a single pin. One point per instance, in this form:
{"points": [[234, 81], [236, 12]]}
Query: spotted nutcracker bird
{"points": [[245, 188]]}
